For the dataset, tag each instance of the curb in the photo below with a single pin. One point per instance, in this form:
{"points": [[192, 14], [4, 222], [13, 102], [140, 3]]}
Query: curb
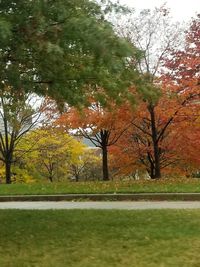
{"points": [[105, 197]]}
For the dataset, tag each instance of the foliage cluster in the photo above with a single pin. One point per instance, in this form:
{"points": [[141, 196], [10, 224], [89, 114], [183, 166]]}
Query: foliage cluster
{"points": [[133, 95], [159, 135]]}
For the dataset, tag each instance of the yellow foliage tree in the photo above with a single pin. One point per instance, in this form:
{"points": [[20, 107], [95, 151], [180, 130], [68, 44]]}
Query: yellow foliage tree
{"points": [[50, 153]]}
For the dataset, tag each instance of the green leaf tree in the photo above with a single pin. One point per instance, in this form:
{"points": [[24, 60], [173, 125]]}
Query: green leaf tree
{"points": [[64, 49]]}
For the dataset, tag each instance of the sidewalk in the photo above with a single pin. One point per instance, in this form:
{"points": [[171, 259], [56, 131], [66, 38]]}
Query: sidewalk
{"points": [[113, 205]]}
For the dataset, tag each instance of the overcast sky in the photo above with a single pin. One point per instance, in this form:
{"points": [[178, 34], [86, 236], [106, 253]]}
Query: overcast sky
{"points": [[180, 9]]}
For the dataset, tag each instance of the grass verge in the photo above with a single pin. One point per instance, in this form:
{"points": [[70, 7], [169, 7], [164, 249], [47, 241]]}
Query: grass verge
{"points": [[144, 186], [99, 238]]}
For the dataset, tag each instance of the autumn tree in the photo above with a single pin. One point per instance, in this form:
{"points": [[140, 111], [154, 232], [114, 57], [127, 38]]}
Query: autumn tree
{"points": [[136, 147], [184, 75], [88, 167], [159, 122], [102, 126], [155, 35], [50, 152], [183, 65]]}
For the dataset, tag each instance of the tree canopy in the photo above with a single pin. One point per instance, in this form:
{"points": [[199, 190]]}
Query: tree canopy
{"points": [[64, 49]]}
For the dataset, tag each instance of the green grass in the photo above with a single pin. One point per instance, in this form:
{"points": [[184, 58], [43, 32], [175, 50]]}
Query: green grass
{"points": [[100, 238], [163, 185]]}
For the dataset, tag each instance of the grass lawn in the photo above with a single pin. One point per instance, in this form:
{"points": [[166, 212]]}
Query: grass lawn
{"points": [[100, 238], [163, 185]]}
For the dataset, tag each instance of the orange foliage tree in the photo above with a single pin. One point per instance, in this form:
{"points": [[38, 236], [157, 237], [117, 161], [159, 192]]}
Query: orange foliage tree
{"points": [[155, 139], [136, 149], [101, 126]]}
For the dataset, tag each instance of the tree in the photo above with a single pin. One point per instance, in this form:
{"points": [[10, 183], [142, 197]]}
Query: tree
{"points": [[88, 167], [17, 117], [161, 126], [183, 65], [154, 34], [51, 152], [64, 49], [102, 126], [136, 148]]}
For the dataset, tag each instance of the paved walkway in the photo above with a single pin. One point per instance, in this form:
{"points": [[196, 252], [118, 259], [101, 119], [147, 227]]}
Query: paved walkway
{"points": [[125, 205]]}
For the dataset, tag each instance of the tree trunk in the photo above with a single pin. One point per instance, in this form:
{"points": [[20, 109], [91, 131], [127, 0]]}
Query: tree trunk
{"points": [[105, 164], [75, 172], [8, 172], [157, 163], [156, 150], [152, 171], [51, 178], [76, 177]]}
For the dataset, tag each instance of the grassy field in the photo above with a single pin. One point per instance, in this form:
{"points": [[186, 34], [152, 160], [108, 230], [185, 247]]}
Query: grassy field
{"points": [[99, 238], [163, 185]]}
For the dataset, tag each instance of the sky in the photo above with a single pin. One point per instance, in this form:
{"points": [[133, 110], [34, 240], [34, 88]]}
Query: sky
{"points": [[181, 10]]}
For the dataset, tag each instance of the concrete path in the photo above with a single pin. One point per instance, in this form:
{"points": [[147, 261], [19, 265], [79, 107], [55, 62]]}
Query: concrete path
{"points": [[125, 205]]}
